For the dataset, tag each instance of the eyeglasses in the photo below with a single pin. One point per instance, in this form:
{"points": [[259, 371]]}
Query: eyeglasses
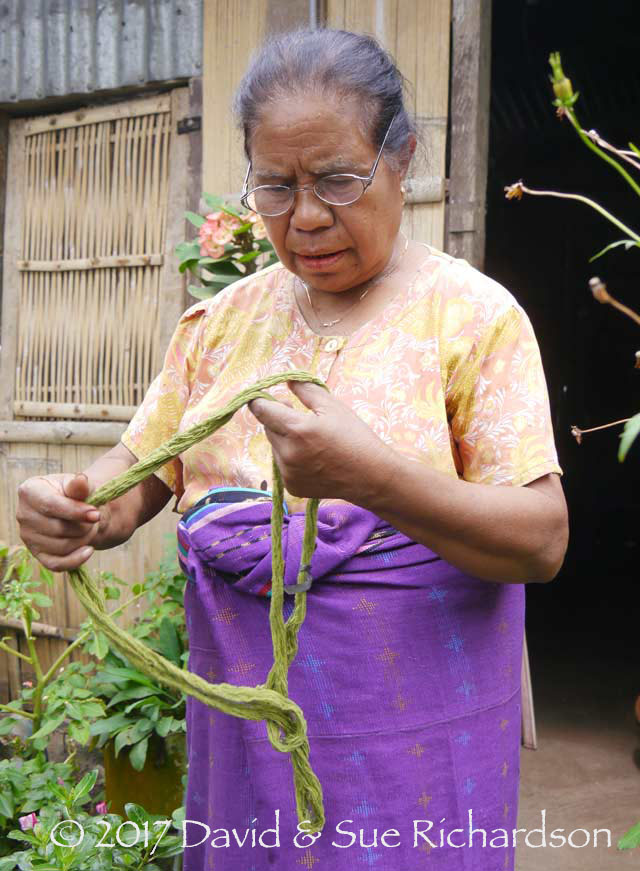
{"points": [[341, 189]]}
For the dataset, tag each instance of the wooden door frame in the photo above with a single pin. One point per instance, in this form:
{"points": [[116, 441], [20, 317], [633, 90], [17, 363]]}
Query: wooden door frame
{"points": [[470, 97], [172, 284]]}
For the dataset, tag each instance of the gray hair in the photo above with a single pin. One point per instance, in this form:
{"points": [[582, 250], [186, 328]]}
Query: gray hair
{"points": [[334, 62]]}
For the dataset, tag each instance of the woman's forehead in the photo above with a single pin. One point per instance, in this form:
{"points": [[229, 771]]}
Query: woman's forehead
{"points": [[318, 137]]}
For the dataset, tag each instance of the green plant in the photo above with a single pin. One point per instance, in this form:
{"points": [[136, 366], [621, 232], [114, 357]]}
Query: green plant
{"points": [[64, 837], [26, 787], [135, 705], [231, 243], [565, 100]]}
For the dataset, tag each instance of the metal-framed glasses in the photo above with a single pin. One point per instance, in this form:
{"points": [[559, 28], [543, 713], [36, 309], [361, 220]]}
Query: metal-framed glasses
{"points": [[339, 189]]}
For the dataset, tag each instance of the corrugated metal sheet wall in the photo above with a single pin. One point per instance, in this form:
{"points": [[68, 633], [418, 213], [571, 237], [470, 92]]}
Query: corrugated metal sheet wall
{"points": [[56, 47]]}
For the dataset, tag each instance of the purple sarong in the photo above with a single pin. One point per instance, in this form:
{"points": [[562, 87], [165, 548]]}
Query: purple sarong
{"points": [[408, 674]]}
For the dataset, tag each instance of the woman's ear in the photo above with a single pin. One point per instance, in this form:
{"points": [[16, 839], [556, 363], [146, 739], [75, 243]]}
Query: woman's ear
{"points": [[408, 155]]}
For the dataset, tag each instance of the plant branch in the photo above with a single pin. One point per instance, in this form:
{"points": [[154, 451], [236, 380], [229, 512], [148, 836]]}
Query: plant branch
{"points": [[17, 712], [15, 652], [570, 114], [594, 136], [577, 433], [516, 190], [600, 292], [83, 636]]}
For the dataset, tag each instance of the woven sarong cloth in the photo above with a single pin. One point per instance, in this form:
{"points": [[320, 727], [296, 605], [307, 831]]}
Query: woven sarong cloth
{"points": [[408, 673]]}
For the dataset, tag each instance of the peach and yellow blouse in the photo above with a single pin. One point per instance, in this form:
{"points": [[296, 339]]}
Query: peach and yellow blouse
{"points": [[448, 374]]}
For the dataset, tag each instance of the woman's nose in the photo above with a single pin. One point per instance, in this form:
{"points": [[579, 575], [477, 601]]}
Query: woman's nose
{"points": [[309, 212]]}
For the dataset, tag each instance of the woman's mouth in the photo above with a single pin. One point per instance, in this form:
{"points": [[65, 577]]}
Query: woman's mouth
{"points": [[320, 261]]}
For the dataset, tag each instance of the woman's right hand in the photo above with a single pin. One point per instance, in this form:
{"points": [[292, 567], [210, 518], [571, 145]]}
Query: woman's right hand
{"points": [[55, 522]]}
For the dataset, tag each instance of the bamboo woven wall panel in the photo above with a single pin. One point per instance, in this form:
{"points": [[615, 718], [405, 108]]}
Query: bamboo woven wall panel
{"points": [[418, 35], [27, 447], [92, 250]]}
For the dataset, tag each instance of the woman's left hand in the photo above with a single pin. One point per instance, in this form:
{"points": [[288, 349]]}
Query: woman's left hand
{"points": [[330, 454]]}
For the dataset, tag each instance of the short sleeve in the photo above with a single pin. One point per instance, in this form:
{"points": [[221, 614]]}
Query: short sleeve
{"points": [[158, 417], [498, 405]]}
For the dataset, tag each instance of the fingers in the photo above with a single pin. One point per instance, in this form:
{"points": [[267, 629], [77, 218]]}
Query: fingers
{"points": [[312, 395], [47, 496], [54, 523], [67, 563], [276, 416]]}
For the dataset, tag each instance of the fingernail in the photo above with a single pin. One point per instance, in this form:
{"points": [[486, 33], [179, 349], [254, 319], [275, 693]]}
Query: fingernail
{"points": [[93, 516], [86, 552]]}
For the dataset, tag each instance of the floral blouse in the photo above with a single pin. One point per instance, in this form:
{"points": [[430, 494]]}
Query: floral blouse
{"points": [[449, 374]]}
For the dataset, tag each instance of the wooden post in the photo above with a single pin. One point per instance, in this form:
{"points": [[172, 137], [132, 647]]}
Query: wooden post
{"points": [[470, 98], [10, 275]]}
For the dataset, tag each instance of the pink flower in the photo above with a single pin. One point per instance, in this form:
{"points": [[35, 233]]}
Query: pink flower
{"points": [[60, 781], [257, 226], [27, 683], [216, 232], [28, 821], [101, 808]]}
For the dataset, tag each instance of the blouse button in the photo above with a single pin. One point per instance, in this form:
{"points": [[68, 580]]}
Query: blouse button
{"points": [[332, 345]]}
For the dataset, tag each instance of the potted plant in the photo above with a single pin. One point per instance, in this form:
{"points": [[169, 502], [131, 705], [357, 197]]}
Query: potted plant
{"points": [[232, 243]]}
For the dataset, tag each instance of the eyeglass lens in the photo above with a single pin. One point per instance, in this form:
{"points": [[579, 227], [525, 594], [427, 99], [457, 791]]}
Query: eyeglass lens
{"points": [[337, 190]]}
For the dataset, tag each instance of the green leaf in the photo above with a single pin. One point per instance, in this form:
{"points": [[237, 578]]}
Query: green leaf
{"points": [[219, 205], [109, 724], [85, 786], [132, 693], [46, 576], [214, 202], [79, 732], [6, 803], [111, 592], [7, 723], [138, 754], [224, 266], [628, 243], [185, 250], [137, 814], [117, 674], [200, 292], [634, 148], [247, 258], [629, 433], [49, 727], [169, 645], [42, 600], [191, 265], [630, 839], [243, 228], [196, 220], [163, 726]]}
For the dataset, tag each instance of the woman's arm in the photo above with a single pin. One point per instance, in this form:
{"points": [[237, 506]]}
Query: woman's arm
{"points": [[497, 533], [507, 534], [121, 517]]}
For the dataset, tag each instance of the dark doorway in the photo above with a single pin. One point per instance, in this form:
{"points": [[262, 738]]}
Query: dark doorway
{"points": [[583, 627]]}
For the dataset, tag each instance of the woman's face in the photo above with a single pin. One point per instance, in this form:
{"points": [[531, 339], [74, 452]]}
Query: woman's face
{"points": [[297, 141]]}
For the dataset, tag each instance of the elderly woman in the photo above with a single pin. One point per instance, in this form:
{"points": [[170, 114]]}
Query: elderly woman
{"points": [[434, 459]]}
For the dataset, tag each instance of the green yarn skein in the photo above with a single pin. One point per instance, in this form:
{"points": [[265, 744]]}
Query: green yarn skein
{"points": [[285, 722]]}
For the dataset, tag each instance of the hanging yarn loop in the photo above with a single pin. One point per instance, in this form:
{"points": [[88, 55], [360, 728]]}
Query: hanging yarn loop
{"points": [[285, 722]]}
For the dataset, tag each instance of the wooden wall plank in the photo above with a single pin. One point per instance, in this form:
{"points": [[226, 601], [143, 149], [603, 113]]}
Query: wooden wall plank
{"points": [[232, 32], [84, 116], [417, 35]]}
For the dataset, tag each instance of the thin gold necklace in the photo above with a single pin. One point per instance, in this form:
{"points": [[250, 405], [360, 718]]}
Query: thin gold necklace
{"points": [[370, 284]]}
